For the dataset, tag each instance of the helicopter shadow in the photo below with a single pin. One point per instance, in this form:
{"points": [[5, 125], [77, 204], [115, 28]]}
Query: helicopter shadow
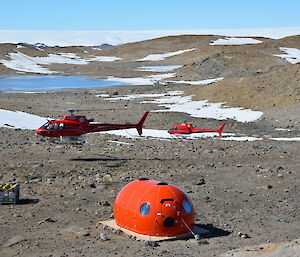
{"points": [[27, 201], [105, 159]]}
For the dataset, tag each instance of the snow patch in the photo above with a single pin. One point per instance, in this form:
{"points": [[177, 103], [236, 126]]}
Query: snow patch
{"points": [[200, 82], [103, 95], [25, 63], [204, 109], [160, 57], [283, 129], [235, 41], [291, 55], [241, 138], [286, 138], [22, 62], [130, 97], [164, 68], [104, 59], [66, 58], [148, 80], [20, 120]]}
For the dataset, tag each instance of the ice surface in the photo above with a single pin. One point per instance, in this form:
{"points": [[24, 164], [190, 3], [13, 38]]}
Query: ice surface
{"points": [[95, 38]]}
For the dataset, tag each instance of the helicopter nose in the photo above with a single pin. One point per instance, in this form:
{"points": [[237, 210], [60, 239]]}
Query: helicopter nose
{"points": [[41, 132]]}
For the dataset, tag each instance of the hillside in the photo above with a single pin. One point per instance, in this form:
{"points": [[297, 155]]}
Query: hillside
{"points": [[280, 87], [260, 67]]}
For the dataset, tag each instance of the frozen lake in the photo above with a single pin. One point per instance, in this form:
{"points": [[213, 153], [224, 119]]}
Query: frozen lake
{"points": [[29, 83]]}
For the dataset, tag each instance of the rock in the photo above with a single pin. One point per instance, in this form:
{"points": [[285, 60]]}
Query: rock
{"points": [[14, 240], [197, 236], [207, 199], [202, 242], [79, 231], [151, 243], [103, 237], [105, 227], [118, 232], [104, 203], [93, 185], [107, 177], [47, 220], [243, 235], [200, 182]]}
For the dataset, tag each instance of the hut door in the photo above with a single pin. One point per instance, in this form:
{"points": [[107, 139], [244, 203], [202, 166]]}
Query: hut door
{"points": [[167, 216]]}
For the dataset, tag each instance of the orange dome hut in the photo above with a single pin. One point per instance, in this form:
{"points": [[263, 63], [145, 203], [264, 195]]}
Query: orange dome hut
{"points": [[152, 208]]}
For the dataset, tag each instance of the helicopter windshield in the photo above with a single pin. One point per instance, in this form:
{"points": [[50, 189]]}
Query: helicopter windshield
{"points": [[46, 125]]}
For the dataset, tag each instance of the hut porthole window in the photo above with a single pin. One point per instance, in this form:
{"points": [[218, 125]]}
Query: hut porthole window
{"points": [[187, 206], [145, 209]]}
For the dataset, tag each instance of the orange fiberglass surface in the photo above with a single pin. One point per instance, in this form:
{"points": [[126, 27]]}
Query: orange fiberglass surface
{"points": [[153, 208]]}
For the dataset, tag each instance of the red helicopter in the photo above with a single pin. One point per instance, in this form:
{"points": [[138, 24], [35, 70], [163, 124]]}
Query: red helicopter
{"points": [[187, 128], [74, 126]]}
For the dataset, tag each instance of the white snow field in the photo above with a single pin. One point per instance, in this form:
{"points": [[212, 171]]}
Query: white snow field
{"points": [[104, 59], [235, 41], [22, 62], [291, 55], [96, 38], [240, 138], [163, 68], [286, 138], [161, 57], [135, 96], [199, 82], [20, 120], [200, 109], [204, 109], [148, 80], [25, 63]]}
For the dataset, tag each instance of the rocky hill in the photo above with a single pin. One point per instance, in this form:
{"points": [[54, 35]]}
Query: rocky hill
{"points": [[262, 68]]}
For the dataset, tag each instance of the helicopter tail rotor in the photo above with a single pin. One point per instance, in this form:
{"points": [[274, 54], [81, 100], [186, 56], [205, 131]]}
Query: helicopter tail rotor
{"points": [[221, 129], [139, 125]]}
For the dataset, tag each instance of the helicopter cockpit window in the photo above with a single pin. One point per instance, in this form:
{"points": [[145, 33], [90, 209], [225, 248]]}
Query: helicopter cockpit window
{"points": [[46, 125], [145, 209], [61, 125], [177, 128]]}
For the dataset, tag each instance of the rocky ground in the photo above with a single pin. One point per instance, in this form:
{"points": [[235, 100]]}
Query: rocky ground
{"points": [[245, 193]]}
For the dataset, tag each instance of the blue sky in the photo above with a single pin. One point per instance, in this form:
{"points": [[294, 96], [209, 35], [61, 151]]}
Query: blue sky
{"points": [[147, 14]]}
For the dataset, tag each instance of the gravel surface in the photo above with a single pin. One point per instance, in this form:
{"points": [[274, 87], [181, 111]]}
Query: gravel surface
{"points": [[245, 193]]}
